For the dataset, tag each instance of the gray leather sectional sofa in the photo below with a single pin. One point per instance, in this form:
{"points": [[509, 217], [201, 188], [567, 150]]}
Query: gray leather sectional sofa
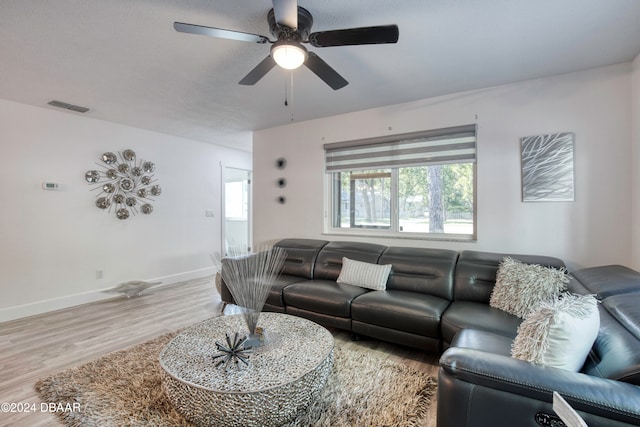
{"points": [[438, 300]]}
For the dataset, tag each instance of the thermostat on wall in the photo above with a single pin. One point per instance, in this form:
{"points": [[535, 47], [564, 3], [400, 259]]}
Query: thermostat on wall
{"points": [[49, 186]]}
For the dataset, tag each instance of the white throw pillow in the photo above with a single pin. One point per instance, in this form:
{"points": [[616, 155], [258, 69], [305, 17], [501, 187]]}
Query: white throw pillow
{"points": [[559, 333], [364, 274], [520, 287]]}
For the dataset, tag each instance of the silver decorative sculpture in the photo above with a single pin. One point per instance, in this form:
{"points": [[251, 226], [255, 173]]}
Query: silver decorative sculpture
{"points": [[133, 288], [125, 184], [249, 277]]}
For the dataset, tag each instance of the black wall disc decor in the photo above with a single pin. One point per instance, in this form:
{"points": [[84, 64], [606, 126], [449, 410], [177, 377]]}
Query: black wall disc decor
{"points": [[281, 163]]}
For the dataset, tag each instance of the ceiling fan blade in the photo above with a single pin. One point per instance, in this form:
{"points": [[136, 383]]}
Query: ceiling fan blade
{"points": [[325, 72], [259, 71], [219, 33], [286, 12], [355, 36]]}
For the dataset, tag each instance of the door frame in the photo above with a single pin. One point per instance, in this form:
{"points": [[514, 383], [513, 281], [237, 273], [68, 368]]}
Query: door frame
{"points": [[223, 169]]}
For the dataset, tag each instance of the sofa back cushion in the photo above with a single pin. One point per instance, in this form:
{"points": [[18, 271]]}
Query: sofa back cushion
{"points": [[608, 280], [428, 271], [301, 256], [329, 260], [616, 352], [475, 273]]}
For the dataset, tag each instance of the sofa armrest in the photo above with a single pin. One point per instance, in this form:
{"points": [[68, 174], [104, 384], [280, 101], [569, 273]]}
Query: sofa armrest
{"points": [[532, 386], [225, 293]]}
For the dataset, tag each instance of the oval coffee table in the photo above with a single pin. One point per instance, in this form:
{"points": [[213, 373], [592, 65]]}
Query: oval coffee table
{"points": [[283, 377]]}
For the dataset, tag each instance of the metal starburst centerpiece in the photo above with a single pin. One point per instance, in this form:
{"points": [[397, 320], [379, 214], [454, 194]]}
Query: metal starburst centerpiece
{"points": [[233, 352]]}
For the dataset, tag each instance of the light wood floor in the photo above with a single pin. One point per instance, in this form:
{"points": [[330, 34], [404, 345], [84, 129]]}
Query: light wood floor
{"points": [[35, 347]]}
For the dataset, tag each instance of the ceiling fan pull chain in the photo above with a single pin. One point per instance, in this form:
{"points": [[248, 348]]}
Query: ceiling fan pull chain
{"points": [[286, 101], [291, 95]]}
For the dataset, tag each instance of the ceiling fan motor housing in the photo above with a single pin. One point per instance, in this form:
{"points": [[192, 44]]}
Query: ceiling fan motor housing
{"points": [[305, 22]]}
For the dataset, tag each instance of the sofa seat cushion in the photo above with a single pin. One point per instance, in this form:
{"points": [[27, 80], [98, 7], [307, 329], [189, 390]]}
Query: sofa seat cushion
{"points": [[322, 296], [467, 314], [412, 312], [275, 294], [484, 341]]}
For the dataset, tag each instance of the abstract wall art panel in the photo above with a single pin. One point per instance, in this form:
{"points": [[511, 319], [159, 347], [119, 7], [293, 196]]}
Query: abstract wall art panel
{"points": [[548, 168]]}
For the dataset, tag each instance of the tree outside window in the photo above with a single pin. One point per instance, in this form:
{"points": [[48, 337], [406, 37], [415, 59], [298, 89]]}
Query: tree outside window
{"points": [[436, 199]]}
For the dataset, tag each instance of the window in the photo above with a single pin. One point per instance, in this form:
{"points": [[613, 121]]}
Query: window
{"points": [[414, 185]]}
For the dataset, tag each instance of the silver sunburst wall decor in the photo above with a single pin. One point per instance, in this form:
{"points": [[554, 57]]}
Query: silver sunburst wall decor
{"points": [[124, 183]]}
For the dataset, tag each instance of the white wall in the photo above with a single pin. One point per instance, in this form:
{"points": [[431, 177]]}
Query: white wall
{"points": [[635, 126], [53, 242], [595, 104]]}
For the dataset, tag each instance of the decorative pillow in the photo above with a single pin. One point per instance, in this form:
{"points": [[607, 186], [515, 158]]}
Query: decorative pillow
{"points": [[521, 287], [559, 333], [364, 274]]}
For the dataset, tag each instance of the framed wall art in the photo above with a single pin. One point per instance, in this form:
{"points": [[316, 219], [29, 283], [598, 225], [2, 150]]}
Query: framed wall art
{"points": [[548, 168]]}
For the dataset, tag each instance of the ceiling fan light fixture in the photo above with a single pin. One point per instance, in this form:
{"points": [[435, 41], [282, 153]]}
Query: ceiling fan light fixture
{"points": [[289, 54]]}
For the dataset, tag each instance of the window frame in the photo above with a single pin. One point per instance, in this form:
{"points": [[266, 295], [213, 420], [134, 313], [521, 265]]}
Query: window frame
{"points": [[352, 200], [331, 203]]}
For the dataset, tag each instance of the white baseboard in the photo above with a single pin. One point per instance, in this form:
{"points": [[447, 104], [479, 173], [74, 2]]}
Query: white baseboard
{"points": [[187, 275], [53, 304]]}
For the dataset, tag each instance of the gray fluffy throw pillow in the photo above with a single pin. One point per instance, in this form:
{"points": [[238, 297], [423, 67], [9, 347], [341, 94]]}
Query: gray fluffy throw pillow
{"points": [[559, 333], [521, 287]]}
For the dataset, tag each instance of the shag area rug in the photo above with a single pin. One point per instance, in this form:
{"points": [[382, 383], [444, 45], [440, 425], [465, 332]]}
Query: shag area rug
{"points": [[124, 388]]}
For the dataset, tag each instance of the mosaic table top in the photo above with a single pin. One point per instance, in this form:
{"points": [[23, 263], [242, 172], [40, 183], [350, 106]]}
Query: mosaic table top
{"points": [[292, 347]]}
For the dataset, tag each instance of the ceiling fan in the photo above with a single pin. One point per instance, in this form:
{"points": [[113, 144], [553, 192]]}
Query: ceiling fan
{"points": [[291, 24]]}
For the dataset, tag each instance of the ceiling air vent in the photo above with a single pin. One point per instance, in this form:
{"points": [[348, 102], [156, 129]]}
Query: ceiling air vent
{"points": [[68, 106]]}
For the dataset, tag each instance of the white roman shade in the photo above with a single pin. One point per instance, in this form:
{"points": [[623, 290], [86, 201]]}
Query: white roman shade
{"points": [[434, 147]]}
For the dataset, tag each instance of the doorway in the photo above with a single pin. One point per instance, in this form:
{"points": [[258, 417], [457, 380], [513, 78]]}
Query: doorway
{"points": [[236, 199]]}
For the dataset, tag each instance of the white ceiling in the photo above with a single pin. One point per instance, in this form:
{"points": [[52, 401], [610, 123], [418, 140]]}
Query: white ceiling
{"points": [[124, 60]]}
